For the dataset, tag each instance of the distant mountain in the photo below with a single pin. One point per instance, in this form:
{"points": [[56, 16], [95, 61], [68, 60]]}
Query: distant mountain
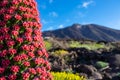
{"points": [[90, 31]]}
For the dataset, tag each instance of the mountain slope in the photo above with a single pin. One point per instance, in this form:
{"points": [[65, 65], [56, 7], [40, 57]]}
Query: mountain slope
{"points": [[90, 31]]}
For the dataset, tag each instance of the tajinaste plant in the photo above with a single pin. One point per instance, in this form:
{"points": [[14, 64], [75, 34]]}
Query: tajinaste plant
{"points": [[22, 52]]}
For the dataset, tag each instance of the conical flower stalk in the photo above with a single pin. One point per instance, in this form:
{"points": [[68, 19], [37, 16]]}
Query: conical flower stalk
{"points": [[22, 52]]}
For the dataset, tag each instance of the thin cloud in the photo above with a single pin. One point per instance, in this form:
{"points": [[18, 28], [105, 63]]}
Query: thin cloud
{"points": [[53, 14], [86, 4], [116, 24], [43, 6], [67, 20], [79, 6], [44, 21], [84, 23], [50, 28], [61, 26], [79, 15], [50, 1]]}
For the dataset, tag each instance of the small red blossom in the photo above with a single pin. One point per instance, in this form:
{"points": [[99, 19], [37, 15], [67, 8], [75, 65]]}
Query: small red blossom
{"points": [[19, 40], [1, 39], [8, 37], [16, 27], [2, 10], [37, 32], [36, 38], [32, 48], [26, 64], [10, 43], [5, 63], [25, 47], [31, 24], [19, 1], [10, 11], [17, 58], [26, 75], [36, 78], [15, 33], [12, 51], [3, 78], [15, 69], [18, 17], [29, 38], [1, 46], [31, 54], [26, 2], [40, 53], [26, 15], [21, 8], [2, 23], [48, 67], [12, 77], [45, 53], [37, 19], [3, 53], [39, 61], [15, 2], [2, 70], [7, 17], [4, 3], [25, 24], [43, 73], [38, 70], [32, 71], [29, 30], [49, 75], [24, 56], [42, 78], [26, 34], [35, 44], [5, 30]]}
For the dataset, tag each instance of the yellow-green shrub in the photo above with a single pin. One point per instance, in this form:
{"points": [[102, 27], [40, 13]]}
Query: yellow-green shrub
{"points": [[66, 76], [60, 52], [48, 45]]}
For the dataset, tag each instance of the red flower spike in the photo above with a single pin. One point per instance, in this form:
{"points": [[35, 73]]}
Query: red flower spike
{"points": [[22, 52]]}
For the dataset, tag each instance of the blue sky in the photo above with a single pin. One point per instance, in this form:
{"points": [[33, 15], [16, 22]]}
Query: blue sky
{"points": [[56, 14]]}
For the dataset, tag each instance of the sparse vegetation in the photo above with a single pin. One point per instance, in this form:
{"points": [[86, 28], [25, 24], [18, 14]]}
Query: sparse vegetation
{"points": [[90, 46], [101, 64], [75, 44], [90, 59], [118, 74]]}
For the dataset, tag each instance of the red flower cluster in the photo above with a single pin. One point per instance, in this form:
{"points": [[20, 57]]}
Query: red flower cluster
{"points": [[2, 70], [22, 52], [15, 69]]}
